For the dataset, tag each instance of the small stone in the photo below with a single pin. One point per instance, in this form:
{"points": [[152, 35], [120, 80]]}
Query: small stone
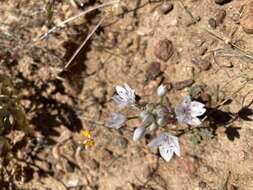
{"points": [[166, 8], [212, 23], [93, 164], [247, 18], [121, 142], [221, 2], [153, 71], [164, 50], [183, 84], [206, 98], [202, 63], [202, 184], [220, 16], [107, 155], [233, 187]]}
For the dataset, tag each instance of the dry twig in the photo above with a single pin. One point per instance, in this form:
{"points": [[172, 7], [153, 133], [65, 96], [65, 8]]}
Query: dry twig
{"points": [[43, 36]]}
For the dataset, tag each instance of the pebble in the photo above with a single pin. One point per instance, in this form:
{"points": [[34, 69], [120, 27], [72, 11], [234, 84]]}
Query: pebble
{"points": [[212, 23], [153, 71], [221, 2], [202, 184], [107, 155], [220, 16], [247, 18], [93, 164], [202, 63], [121, 142], [164, 50], [183, 84], [166, 8]]}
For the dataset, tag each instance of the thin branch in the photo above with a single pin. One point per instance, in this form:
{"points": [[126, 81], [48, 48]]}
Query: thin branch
{"points": [[43, 36], [84, 42]]}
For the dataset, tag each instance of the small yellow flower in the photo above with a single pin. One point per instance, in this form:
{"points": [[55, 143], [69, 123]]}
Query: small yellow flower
{"points": [[89, 141], [87, 134]]}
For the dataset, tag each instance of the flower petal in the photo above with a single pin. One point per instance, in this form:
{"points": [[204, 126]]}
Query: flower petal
{"points": [[158, 141], [175, 143], [130, 92], [166, 152], [197, 109], [138, 133], [116, 121], [121, 103], [122, 92], [193, 121]]}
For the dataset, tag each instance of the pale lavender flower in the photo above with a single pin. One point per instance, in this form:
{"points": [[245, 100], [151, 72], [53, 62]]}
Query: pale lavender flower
{"points": [[125, 97], [116, 121], [161, 90], [168, 145], [139, 132], [188, 111]]}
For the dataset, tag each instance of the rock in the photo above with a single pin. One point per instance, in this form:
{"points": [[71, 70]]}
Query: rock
{"points": [[166, 8], [153, 71], [220, 16], [247, 18], [121, 142], [212, 23], [202, 184], [93, 164], [164, 50], [221, 2], [183, 84], [107, 155], [202, 63]]}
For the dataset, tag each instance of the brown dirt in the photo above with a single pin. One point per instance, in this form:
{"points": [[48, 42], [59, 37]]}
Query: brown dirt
{"points": [[121, 52]]}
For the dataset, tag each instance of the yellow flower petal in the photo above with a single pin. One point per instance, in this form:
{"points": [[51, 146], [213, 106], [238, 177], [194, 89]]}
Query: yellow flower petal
{"points": [[87, 133]]}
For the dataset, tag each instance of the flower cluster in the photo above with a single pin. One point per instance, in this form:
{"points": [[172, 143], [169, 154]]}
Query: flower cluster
{"points": [[156, 116]]}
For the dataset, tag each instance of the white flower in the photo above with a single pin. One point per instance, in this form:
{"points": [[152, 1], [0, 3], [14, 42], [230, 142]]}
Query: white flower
{"points": [[139, 132], [116, 121], [168, 145], [125, 97], [161, 90], [188, 111]]}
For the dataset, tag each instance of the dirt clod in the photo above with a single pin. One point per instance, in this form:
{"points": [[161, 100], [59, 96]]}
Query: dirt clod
{"points": [[153, 71], [166, 7], [202, 184], [212, 23], [164, 50], [202, 63], [183, 84], [220, 16]]}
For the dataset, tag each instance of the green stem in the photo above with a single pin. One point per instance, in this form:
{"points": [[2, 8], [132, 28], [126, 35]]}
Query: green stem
{"points": [[161, 101], [133, 117]]}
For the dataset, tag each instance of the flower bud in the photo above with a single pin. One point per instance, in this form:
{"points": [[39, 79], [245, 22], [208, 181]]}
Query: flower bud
{"points": [[153, 126], [161, 90], [138, 133]]}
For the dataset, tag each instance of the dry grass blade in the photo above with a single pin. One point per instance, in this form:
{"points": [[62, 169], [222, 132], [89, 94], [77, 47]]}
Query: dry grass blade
{"points": [[84, 42], [43, 36], [236, 50]]}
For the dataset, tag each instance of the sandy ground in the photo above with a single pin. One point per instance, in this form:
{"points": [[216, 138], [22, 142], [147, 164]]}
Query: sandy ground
{"points": [[62, 103]]}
